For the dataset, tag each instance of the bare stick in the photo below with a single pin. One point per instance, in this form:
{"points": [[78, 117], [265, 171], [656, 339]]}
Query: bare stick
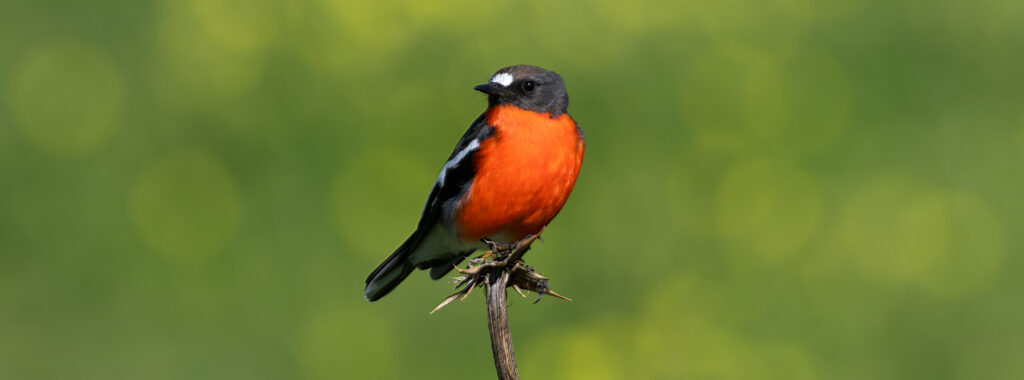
{"points": [[503, 270], [497, 322]]}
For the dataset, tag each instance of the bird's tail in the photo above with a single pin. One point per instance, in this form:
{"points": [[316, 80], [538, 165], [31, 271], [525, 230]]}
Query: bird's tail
{"points": [[391, 272]]}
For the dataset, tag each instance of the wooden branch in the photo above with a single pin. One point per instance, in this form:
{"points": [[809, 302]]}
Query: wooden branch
{"points": [[504, 269], [497, 323]]}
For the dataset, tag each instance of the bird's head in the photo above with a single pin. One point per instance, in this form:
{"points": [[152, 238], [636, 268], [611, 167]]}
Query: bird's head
{"points": [[528, 87]]}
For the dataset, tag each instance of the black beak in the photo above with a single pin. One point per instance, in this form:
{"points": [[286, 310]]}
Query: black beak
{"points": [[491, 89]]}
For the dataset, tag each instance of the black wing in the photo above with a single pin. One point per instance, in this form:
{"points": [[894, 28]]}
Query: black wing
{"points": [[457, 172]]}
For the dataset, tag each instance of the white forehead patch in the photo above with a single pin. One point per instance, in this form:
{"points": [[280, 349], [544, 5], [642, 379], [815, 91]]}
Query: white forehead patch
{"points": [[503, 79]]}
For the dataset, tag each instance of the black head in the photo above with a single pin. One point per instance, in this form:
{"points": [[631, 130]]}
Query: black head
{"points": [[528, 87]]}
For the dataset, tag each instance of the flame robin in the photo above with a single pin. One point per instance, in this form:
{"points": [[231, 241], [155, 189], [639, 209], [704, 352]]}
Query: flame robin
{"points": [[507, 178]]}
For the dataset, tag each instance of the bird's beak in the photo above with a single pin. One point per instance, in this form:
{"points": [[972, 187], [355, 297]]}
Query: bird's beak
{"points": [[491, 89]]}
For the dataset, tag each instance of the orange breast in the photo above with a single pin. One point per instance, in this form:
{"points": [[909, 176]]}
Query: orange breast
{"points": [[525, 173]]}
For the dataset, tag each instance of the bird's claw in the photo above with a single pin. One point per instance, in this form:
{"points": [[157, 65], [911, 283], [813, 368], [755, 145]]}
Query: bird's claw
{"points": [[498, 250]]}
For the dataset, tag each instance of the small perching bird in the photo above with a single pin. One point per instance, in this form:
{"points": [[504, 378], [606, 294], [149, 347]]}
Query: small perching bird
{"points": [[507, 178]]}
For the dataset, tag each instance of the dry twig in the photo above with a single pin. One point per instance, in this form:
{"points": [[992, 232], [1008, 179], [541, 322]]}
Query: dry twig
{"points": [[497, 269]]}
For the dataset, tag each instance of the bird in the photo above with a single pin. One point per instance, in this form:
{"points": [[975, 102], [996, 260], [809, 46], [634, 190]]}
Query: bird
{"points": [[507, 178]]}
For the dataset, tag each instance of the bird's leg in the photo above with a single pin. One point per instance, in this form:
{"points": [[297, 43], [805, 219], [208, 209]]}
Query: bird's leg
{"points": [[480, 259], [499, 250]]}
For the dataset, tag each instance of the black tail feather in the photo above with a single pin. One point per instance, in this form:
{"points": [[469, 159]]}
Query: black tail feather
{"points": [[399, 265], [384, 279]]}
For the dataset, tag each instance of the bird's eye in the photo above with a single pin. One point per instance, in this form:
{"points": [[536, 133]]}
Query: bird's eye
{"points": [[529, 85]]}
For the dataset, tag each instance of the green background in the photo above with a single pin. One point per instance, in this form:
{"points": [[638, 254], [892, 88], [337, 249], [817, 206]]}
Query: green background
{"points": [[196, 189]]}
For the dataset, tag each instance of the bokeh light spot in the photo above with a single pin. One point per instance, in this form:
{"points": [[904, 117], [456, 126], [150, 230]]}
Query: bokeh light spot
{"points": [[584, 352], [186, 205], [672, 324], [243, 25], [738, 96], [768, 208], [212, 51], [897, 231], [367, 215], [733, 98], [66, 97], [819, 91], [326, 350], [352, 35], [680, 337], [1022, 137], [588, 356], [686, 200]]}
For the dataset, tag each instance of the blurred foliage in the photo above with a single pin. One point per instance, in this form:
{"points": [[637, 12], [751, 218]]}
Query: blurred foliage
{"points": [[773, 189]]}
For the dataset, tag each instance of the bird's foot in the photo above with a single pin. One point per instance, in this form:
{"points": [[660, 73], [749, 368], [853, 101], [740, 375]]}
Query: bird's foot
{"points": [[481, 259], [499, 250]]}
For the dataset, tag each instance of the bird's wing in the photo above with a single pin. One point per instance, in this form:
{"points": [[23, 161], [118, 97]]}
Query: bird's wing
{"points": [[457, 172]]}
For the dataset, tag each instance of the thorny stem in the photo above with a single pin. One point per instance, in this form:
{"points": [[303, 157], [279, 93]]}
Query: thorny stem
{"points": [[504, 270], [497, 323]]}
